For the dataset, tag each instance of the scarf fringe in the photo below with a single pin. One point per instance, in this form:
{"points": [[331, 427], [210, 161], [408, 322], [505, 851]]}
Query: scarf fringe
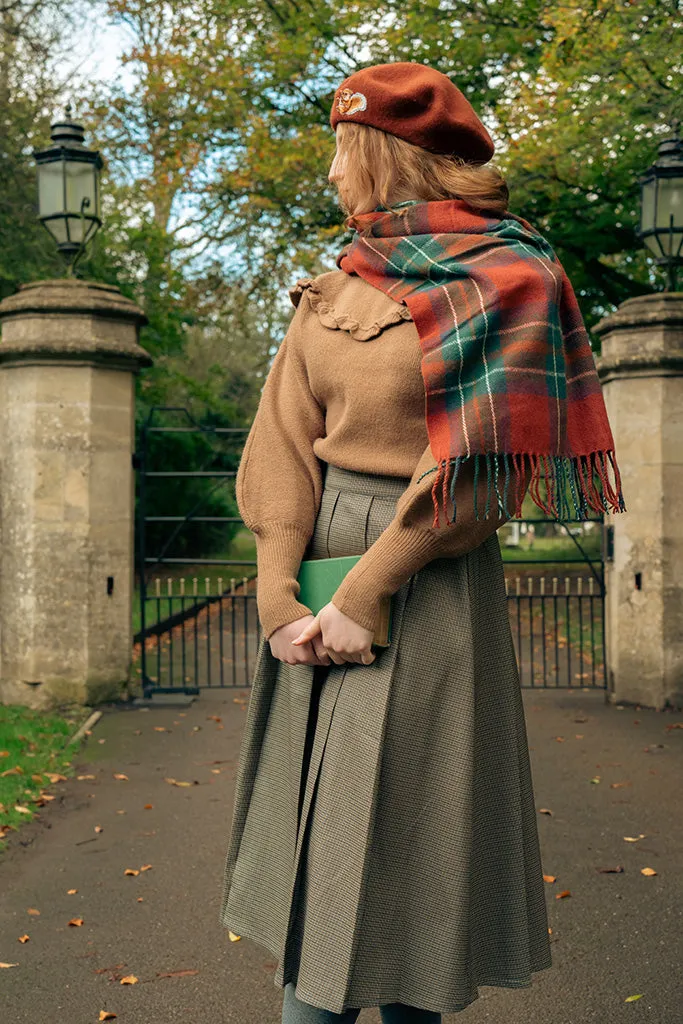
{"points": [[564, 487]]}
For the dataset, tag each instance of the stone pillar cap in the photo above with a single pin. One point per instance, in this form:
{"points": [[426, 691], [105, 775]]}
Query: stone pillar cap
{"points": [[649, 309], [75, 299]]}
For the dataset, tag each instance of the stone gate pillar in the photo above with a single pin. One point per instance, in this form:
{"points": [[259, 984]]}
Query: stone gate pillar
{"points": [[68, 356], [641, 369]]}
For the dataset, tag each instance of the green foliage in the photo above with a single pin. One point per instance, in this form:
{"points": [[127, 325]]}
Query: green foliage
{"points": [[576, 97]]}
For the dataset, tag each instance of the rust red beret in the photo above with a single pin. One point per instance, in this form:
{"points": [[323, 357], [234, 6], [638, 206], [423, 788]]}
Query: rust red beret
{"points": [[417, 103]]}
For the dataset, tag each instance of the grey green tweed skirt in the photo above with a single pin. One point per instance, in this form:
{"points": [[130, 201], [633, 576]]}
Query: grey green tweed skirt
{"points": [[384, 844]]}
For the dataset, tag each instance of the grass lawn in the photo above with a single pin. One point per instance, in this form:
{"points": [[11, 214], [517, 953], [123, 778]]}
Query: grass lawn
{"points": [[33, 756], [555, 549]]}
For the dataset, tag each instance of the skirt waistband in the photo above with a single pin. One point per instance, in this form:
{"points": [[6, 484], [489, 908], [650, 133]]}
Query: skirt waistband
{"points": [[377, 484]]}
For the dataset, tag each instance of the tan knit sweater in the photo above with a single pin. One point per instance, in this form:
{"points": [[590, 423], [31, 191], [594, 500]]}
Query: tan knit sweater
{"points": [[345, 387]]}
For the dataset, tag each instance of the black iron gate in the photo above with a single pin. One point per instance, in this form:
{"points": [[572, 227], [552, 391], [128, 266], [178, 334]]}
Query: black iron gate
{"points": [[196, 622], [557, 609]]}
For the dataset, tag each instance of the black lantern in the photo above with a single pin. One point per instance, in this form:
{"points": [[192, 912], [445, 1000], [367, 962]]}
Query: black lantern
{"points": [[661, 212], [69, 189]]}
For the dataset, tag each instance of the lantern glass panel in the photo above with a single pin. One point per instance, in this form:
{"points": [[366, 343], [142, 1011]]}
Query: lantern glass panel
{"points": [[75, 228], [80, 185], [57, 228], [647, 216], [670, 212], [51, 188]]}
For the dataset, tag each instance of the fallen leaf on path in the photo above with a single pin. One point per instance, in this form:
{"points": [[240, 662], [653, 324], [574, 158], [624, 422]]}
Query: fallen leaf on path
{"points": [[24, 938], [131, 871], [214, 718], [105, 970], [80, 777], [106, 1015], [233, 937], [632, 999], [76, 922], [634, 839], [549, 878], [544, 810], [145, 867], [70, 892], [618, 785], [21, 809], [56, 776], [595, 780], [161, 728], [130, 979], [121, 775], [174, 782], [32, 910], [8, 965], [148, 807], [176, 974], [561, 895], [99, 828], [648, 871], [560, 739]]}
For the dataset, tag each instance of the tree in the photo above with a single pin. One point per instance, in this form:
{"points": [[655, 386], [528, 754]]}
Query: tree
{"points": [[237, 96]]}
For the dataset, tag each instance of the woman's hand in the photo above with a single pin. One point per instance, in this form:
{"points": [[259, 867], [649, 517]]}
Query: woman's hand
{"points": [[311, 653], [342, 638]]}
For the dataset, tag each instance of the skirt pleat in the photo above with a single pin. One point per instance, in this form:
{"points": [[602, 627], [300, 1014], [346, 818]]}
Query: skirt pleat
{"points": [[384, 844]]}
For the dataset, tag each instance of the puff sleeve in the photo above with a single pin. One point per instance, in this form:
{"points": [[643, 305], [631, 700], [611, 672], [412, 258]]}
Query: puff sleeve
{"points": [[279, 479]]}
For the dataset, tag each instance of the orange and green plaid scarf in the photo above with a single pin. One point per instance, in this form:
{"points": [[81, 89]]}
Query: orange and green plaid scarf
{"points": [[509, 373]]}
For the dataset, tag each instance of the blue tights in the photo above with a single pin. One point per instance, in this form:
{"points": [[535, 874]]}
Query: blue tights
{"points": [[294, 1011]]}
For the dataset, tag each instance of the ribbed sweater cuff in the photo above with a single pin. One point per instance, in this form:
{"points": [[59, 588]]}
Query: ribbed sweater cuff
{"points": [[396, 555], [279, 550]]}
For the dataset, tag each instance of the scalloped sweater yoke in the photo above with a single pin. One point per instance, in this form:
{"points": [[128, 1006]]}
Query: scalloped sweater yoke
{"points": [[345, 387]]}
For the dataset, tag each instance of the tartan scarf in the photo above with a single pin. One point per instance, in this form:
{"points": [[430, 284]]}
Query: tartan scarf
{"points": [[509, 374]]}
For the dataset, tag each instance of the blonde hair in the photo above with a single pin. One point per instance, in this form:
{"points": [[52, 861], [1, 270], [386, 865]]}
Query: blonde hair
{"points": [[381, 169]]}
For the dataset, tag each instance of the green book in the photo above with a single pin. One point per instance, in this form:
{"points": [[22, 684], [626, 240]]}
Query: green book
{"points": [[319, 579]]}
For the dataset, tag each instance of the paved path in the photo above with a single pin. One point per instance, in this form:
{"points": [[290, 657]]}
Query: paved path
{"points": [[617, 934]]}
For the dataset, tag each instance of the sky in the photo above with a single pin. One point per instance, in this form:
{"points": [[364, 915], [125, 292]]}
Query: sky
{"points": [[96, 50]]}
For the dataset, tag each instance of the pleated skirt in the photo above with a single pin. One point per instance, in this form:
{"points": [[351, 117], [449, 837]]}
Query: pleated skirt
{"points": [[384, 845]]}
